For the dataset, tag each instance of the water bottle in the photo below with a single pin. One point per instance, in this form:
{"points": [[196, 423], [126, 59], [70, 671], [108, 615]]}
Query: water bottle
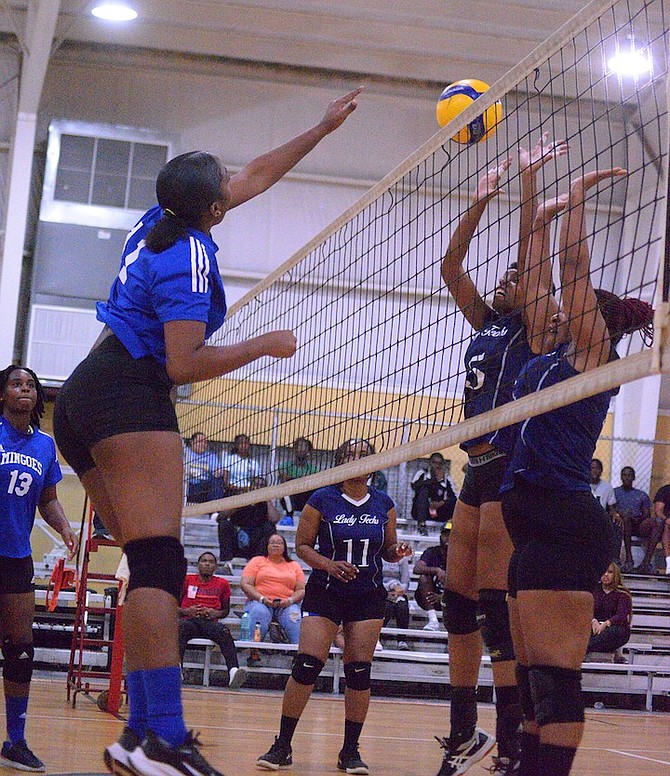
{"points": [[245, 627], [257, 631]]}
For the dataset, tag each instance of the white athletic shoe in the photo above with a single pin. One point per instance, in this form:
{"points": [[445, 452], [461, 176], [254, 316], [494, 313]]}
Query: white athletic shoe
{"points": [[236, 677], [432, 625]]}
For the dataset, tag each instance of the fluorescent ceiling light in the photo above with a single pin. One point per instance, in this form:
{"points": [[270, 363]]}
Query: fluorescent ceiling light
{"points": [[631, 62], [114, 12]]}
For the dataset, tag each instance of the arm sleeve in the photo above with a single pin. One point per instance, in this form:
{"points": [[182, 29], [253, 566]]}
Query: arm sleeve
{"points": [[224, 593], [181, 288], [610, 498], [251, 569]]}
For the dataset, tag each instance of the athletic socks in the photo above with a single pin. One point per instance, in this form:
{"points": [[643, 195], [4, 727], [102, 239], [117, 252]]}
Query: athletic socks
{"points": [[463, 713], [165, 716], [432, 616], [287, 728], [530, 745], [553, 760], [352, 732], [137, 701], [16, 709]]}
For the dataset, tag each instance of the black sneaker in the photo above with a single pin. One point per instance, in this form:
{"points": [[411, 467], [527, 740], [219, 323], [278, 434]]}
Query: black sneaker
{"points": [[19, 756], [157, 758], [350, 762], [505, 766], [279, 756], [458, 757], [117, 754]]}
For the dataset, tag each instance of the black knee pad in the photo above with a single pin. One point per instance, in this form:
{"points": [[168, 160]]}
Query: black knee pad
{"points": [[19, 659], [557, 694], [493, 619], [459, 614], [306, 668], [157, 562], [525, 696], [358, 675]]}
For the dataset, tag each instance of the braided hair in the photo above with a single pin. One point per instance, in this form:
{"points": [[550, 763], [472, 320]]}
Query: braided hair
{"points": [[185, 188], [38, 409], [624, 316]]}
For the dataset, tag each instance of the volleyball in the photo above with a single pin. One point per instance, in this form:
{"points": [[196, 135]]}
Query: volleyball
{"points": [[456, 98]]}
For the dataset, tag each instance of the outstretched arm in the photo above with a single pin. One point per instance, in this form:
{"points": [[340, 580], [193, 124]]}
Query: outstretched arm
{"points": [[590, 339], [266, 170], [457, 280]]}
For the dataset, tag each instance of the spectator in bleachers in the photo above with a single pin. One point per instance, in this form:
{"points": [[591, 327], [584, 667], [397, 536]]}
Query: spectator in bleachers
{"points": [[300, 466], [662, 510], [396, 581], [434, 493], [612, 613], [432, 569], [634, 506], [239, 468], [604, 493], [205, 601], [244, 532], [202, 470], [275, 586]]}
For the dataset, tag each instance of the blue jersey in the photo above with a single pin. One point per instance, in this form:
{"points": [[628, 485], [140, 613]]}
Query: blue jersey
{"points": [[28, 464], [353, 531], [554, 450], [493, 360], [180, 284]]}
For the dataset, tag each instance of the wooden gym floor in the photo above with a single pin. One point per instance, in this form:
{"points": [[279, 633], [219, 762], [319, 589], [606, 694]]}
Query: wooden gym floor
{"points": [[238, 726]]}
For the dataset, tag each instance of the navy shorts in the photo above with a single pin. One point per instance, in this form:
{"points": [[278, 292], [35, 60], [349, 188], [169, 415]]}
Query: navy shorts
{"points": [[16, 575], [110, 393], [562, 540], [482, 483], [321, 602]]}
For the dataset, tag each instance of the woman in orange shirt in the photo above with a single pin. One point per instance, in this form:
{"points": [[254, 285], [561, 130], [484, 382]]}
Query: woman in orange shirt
{"points": [[274, 585]]}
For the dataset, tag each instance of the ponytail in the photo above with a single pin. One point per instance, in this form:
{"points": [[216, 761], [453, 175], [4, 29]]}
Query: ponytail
{"points": [[165, 233]]}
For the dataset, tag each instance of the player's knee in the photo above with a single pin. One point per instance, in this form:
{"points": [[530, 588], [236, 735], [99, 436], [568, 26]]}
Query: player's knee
{"points": [[18, 661], [306, 668], [357, 675], [459, 613], [493, 619], [157, 562], [557, 694]]}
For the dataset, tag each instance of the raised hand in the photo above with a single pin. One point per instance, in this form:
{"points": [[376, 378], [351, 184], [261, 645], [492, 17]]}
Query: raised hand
{"points": [[488, 185], [544, 151], [280, 344], [339, 109], [551, 208], [581, 185]]}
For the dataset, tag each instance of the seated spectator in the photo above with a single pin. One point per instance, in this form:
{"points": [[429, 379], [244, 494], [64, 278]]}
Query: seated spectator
{"points": [[238, 467], [205, 601], [434, 494], [634, 506], [275, 586], [300, 466], [432, 570], [202, 471], [244, 532], [612, 613], [396, 582], [662, 511], [603, 492]]}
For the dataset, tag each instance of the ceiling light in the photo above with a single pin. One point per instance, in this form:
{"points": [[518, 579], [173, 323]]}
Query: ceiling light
{"points": [[114, 12], [630, 62]]}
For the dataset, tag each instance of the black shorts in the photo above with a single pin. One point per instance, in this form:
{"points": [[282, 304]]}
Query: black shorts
{"points": [[110, 393], [482, 482], [320, 602], [16, 575], [562, 540]]}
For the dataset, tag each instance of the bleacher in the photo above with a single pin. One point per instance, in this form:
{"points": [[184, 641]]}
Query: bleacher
{"points": [[646, 671]]}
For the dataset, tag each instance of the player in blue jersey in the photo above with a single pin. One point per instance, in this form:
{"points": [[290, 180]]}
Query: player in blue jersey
{"points": [[116, 425], [29, 472], [506, 335], [354, 527], [561, 535]]}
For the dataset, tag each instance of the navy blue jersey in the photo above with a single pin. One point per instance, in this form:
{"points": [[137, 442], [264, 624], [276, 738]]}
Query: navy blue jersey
{"points": [[28, 464], [353, 531], [554, 450], [181, 283], [493, 360]]}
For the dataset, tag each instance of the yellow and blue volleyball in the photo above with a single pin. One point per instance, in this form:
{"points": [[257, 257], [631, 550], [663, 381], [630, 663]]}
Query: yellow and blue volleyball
{"points": [[456, 98]]}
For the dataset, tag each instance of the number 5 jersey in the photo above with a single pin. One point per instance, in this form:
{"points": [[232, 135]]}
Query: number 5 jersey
{"points": [[353, 531]]}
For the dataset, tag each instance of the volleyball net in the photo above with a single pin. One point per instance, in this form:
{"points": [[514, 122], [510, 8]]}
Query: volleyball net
{"points": [[381, 343]]}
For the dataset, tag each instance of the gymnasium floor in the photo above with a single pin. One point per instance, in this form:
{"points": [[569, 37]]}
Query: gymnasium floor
{"points": [[238, 726]]}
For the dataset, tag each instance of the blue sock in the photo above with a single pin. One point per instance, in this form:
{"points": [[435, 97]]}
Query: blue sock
{"points": [[165, 716], [16, 709], [137, 700]]}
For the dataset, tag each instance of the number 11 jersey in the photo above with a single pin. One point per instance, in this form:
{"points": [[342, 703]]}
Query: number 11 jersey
{"points": [[353, 531]]}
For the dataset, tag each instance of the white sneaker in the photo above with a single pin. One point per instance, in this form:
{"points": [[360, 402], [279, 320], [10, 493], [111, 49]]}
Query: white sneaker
{"points": [[402, 645], [379, 647], [236, 677], [227, 567], [432, 625]]}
